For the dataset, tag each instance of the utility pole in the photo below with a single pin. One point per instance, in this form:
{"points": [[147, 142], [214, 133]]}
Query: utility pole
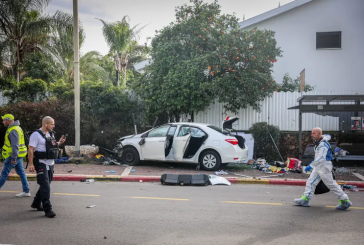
{"points": [[76, 77]]}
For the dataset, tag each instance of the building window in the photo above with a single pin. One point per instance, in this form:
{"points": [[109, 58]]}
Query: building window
{"points": [[328, 40]]}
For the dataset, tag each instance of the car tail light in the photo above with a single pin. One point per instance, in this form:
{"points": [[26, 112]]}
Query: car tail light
{"points": [[232, 141]]}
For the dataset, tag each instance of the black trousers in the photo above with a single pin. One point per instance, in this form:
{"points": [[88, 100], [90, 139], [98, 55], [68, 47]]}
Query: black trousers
{"points": [[44, 179]]}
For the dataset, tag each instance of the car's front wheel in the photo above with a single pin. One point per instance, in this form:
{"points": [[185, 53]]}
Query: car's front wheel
{"points": [[130, 156], [210, 160]]}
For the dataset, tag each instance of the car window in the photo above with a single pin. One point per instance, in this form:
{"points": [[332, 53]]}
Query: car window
{"points": [[171, 131], [159, 132], [218, 129], [196, 132], [184, 131]]}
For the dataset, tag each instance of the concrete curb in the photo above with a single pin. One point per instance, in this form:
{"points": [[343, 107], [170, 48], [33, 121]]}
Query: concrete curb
{"points": [[233, 180]]}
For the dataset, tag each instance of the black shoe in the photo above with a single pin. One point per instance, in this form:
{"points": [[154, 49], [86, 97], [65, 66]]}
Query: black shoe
{"points": [[50, 214], [38, 207]]}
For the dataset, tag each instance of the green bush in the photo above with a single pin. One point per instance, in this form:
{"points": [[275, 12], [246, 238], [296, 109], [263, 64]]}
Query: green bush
{"points": [[263, 144], [27, 90]]}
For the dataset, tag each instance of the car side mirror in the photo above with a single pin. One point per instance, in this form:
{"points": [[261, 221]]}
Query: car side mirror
{"points": [[144, 135]]}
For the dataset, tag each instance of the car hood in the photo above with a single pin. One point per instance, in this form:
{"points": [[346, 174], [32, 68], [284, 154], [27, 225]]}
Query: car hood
{"points": [[129, 136]]}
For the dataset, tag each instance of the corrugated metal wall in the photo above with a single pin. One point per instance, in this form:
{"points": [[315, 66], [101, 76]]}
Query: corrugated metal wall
{"points": [[274, 111]]}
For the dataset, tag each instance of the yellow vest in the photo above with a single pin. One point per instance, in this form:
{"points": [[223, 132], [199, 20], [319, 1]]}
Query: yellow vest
{"points": [[7, 149]]}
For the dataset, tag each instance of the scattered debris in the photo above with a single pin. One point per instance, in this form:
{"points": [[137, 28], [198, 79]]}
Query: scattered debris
{"points": [[69, 171], [133, 170], [141, 181], [90, 180], [342, 171], [221, 172], [62, 160], [217, 180], [112, 171], [107, 171], [109, 161], [91, 206], [350, 187], [251, 162]]}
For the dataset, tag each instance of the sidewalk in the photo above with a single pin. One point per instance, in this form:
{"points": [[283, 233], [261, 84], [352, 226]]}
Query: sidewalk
{"points": [[152, 171]]}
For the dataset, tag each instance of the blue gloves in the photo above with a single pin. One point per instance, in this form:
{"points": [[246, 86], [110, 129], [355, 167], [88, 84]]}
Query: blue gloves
{"points": [[308, 168]]}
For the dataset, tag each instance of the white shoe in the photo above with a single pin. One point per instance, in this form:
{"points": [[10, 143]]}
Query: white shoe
{"points": [[23, 194]]}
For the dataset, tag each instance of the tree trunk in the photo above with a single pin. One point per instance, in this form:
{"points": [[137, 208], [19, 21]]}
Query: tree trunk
{"points": [[15, 71], [17, 63], [117, 78]]}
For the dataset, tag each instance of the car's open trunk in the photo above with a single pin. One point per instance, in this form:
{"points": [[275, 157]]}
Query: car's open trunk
{"points": [[228, 125], [241, 141]]}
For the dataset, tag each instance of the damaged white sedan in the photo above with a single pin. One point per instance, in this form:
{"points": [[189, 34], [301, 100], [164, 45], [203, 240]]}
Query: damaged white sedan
{"points": [[204, 144]]}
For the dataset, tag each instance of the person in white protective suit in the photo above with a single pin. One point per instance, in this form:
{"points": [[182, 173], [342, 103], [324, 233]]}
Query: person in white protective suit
{"points": [[321, 169]]}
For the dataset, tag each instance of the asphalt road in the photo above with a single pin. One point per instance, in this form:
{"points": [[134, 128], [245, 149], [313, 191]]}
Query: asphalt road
{"points": [[150, 213]]}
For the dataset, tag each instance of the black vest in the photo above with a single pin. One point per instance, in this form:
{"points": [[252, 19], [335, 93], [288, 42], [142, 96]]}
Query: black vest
{"points": [[52, 150]]}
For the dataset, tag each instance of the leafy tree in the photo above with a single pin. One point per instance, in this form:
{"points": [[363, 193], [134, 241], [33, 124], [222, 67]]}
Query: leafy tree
{"points": [[290, 85], [204, 56], [41, 66], [23, 30], [122, 41]]}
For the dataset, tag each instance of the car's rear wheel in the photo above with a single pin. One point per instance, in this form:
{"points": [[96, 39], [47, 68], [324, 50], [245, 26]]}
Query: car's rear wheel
{"points": [[210, 160], [130, 156]]}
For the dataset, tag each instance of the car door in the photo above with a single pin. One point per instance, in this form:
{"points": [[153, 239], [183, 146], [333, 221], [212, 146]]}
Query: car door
{"points": [[154, 146], [180, 142]]}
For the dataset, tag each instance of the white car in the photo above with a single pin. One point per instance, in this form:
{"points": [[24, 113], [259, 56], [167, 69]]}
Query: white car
{"points": [[208, 145]]}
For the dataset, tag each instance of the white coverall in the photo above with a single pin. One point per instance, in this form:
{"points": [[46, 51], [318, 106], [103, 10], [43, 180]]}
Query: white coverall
{"points": [[322, 167]]}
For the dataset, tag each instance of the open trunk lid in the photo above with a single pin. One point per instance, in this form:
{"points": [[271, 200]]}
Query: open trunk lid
{"points": [[227, 124]]}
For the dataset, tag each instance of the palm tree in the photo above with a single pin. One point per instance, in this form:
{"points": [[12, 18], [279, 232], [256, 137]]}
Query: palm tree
{"points": [[90, 68], [23, 29], [132, 54], [60, 45], [121, 38]]}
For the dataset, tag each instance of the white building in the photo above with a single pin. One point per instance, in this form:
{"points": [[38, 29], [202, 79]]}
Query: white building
{"points": [[324, 37]]}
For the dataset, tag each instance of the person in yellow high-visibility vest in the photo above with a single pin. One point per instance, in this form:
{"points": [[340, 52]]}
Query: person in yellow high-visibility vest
{"points": [[13, 151]]}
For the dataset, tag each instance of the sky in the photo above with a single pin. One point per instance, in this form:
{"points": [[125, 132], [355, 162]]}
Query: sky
{"points": [[153, 14]]}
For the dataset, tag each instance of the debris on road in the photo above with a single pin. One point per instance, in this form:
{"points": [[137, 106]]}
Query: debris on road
{"points": [[218, 180], [91, 206], [185, 179], [90, 180], [221, 172]]}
